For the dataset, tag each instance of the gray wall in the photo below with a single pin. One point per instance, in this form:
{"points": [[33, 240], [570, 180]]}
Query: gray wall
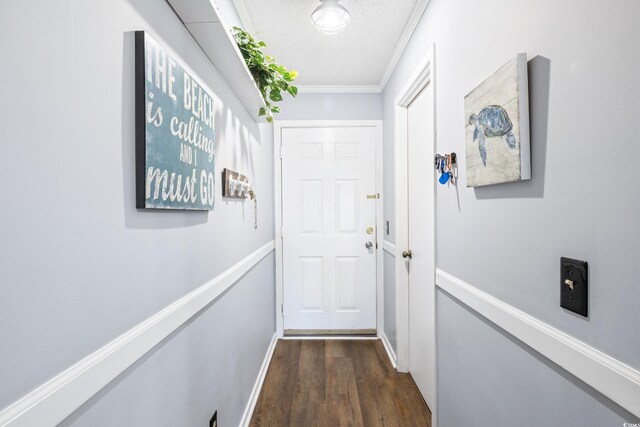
{"points": [[539, 393], [584, 73], [80, 265], [211, 363], [331, 106]]}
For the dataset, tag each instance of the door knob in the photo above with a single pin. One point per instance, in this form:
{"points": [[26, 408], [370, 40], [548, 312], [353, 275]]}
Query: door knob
{"points": [[407, 254], [368, 245]]}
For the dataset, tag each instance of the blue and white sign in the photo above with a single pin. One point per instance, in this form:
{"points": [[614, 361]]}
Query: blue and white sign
{"points": [[175, 138]]}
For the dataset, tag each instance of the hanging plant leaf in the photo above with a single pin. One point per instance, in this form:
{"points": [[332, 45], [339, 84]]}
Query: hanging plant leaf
{"points": [[271, 77], [275, 96]]}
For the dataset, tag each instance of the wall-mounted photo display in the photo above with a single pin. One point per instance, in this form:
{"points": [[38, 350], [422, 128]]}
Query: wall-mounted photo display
{"points": [[175, 137], [497, 127]]}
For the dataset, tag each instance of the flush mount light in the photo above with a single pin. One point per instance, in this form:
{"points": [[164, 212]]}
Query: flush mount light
{"points": [[330, 17]]}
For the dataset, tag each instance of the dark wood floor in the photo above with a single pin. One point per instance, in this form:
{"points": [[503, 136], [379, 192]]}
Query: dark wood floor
{"points": [[337, 383]]}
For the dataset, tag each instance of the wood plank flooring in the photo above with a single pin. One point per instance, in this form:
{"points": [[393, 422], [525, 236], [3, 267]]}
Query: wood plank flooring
{"points": [[337, 383]]}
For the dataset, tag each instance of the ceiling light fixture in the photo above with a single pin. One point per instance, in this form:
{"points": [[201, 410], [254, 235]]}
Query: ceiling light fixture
{"points": [[330, 17]]}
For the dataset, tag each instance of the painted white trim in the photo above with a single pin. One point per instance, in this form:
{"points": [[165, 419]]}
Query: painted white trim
{"points": [[423, 74], [59, 397], [614, 379], [379, 231], [401, 234], [257, 387], [410, 27], [339, 89], [420, 78], [278, 125], [277, 187], [389, 247], [389, 349]]}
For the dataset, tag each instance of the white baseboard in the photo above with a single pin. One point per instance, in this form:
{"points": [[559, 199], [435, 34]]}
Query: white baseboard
{"points": [[389, 349], [612, 378], [58, 398], [255, 393]]}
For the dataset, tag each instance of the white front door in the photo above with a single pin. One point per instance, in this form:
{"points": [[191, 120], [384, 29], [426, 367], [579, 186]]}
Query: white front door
{"points": [[329, 274], [421, 242]]}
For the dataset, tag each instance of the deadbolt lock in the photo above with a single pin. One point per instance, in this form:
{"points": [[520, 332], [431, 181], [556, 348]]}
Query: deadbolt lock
{"points": [[369, 230]]}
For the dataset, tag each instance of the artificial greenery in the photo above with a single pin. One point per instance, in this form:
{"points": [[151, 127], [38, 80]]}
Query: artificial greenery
{"points": [[271, 77]]}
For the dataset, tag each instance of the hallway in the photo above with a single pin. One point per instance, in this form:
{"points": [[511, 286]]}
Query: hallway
{"points": [[321, 213], [337, 383]]}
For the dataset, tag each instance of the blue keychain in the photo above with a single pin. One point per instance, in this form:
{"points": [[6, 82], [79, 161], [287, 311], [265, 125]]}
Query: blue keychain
{"points": [[444, 166], [444, 178]]}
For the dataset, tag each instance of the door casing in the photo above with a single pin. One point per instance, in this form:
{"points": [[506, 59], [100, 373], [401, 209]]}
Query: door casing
{"points": [[277, 159], [423, 75]]}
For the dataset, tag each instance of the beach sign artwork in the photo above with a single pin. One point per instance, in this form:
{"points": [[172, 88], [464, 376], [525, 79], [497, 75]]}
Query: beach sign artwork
{"points": [[175, 134]]}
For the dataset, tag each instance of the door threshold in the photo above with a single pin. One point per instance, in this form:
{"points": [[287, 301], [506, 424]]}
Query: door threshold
{"points": [[329, 332], [330, 337]]}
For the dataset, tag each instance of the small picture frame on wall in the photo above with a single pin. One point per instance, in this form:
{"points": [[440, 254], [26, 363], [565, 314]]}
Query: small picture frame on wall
{"points": [[497, 127]]}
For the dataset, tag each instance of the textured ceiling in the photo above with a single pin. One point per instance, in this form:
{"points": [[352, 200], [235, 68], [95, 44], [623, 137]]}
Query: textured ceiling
{"points": [[357, 56]]}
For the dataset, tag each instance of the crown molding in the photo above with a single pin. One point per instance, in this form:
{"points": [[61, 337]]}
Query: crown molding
{"points": [[412, 23], [339, 89]]}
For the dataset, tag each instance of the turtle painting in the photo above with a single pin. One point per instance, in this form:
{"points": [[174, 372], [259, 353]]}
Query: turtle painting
{"points": [[491, 121], [496, 127]]}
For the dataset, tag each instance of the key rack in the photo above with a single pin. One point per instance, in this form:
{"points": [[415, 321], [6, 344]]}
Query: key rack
{"points": [[447, 165], [235, 185], [439, 157]]}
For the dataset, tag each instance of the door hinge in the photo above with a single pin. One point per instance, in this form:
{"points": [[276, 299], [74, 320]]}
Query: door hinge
{"points": [[282, 309], [281, 232]]}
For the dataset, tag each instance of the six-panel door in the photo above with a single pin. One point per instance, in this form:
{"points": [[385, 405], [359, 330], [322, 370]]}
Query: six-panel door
{"points": [[328, 272]]}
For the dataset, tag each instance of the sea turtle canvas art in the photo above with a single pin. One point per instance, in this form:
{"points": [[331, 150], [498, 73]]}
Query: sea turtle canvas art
{"points": [[497, 127], [491, 121]]}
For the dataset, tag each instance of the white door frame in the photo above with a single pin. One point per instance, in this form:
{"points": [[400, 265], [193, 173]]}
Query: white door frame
{"points": [[279, 125], [423, 75]]}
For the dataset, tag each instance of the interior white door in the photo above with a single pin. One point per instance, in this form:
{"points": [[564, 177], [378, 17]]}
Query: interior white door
{"points": [[329, 280], [421, 242]]}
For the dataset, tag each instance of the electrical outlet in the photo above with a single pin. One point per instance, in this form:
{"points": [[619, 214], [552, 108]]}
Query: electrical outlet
{"points": [[214, 420]]}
